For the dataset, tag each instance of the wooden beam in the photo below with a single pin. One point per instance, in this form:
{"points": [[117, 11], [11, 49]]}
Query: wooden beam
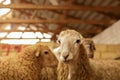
{"points": [[65, 21], [59, 7], [54, 31], [64, 14], [111, 15]]}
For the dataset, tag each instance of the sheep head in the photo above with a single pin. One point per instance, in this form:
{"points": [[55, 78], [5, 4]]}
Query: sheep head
{"points": [[90, 47], [42, 54], [47, 56], [69, 42]]}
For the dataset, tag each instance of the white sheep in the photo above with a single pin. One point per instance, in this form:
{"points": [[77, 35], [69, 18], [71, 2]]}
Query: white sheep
{"points": [[89, 45], [28, 64], [74, 63]]}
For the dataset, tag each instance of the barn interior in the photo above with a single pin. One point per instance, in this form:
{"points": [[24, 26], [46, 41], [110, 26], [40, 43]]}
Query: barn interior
{"points": [[26, 22]]}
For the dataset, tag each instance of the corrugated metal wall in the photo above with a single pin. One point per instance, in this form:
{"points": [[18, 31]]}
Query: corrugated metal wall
{"points": [[110, 35]]}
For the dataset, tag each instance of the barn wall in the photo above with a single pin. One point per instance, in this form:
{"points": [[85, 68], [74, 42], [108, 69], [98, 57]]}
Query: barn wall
{"points": [[107, 51], [7, 49], [109, 36], [102, 51]]}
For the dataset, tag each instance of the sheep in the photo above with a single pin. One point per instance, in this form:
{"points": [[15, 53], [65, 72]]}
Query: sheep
{"points": [[49, 73], [90, 47], [28, 64], [74, 63]]}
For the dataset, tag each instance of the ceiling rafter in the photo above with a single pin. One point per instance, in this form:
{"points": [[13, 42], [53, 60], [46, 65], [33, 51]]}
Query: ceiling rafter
{"points": [[30, 15], [110, 15], [72, 21], [33, 15], [59, 7], [105, 13], [64, 14], [62, 17]]}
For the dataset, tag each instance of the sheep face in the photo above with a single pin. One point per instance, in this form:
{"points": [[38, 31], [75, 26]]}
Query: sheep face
{"points": [[69, 43], [46, 57], [40, 54], [90, 47]]}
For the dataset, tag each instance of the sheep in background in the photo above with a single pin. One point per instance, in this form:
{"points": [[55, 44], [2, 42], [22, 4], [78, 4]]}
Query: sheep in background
{"points": [[28, 64], [74, 63], [90, 47]]}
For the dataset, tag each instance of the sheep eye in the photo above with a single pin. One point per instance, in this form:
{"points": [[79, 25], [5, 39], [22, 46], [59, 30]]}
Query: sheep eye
{"points": [[58, 41], [46, 52], [78, 41]]}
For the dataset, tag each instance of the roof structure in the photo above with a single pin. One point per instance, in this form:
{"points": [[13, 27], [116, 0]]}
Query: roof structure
{"points": [[89, 17]]}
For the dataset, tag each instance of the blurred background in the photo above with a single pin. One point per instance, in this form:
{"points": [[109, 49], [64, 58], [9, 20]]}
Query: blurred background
{"points": [[26, 22]]}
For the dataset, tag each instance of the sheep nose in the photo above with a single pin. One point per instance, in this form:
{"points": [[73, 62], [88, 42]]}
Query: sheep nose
{"points": [[66, 56]]}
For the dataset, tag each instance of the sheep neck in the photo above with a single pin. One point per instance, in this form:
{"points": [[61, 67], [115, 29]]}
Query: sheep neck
{"points": [[72, 71], [80, 68]]}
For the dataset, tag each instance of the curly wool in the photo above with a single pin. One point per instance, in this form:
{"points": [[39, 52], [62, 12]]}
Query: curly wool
{"points": [[85, 68], [24, 66], [49, 73]]}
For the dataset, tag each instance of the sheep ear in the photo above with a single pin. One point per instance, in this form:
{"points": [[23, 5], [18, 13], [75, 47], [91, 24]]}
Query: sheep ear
{"points": [[82, 41], [37, 54]]}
